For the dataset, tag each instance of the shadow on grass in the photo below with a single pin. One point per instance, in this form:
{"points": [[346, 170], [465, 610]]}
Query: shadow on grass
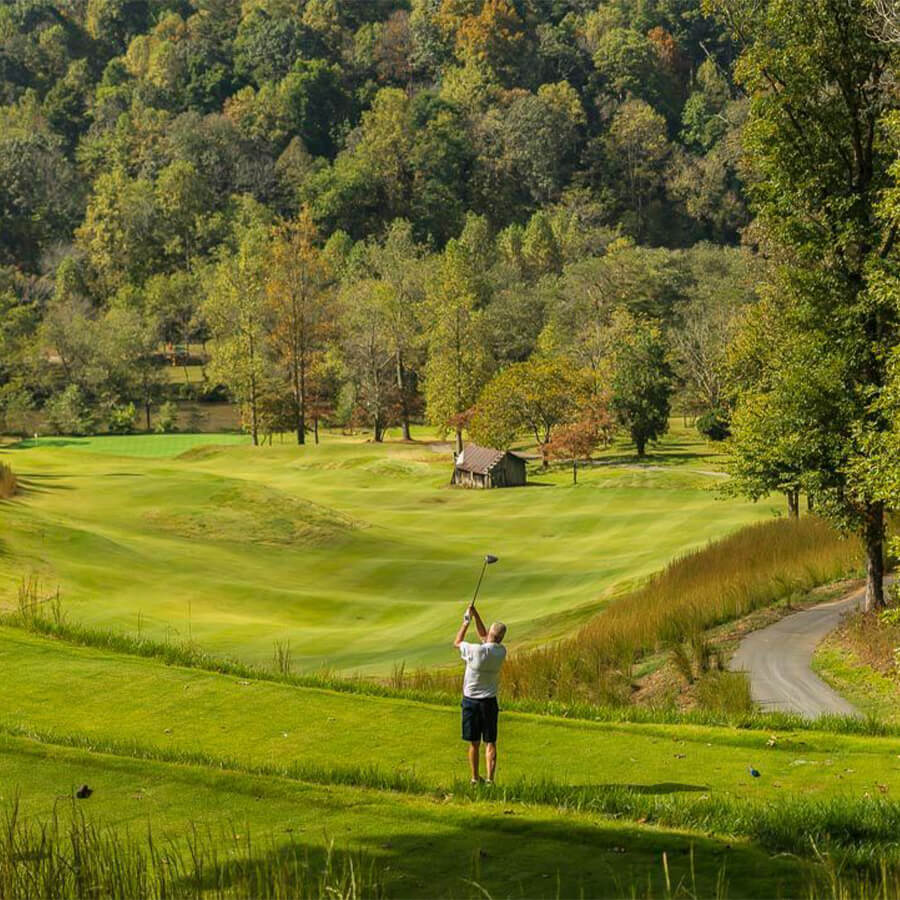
{"points": [[664, 787], [32, 443], [41, 483], [499, 851]]}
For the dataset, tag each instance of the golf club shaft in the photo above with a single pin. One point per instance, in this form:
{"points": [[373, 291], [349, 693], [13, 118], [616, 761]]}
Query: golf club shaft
{"points": [[477, 586]]}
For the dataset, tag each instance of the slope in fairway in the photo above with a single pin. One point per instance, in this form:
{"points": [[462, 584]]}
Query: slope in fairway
{"points": [[138, 702], [359, 555]]}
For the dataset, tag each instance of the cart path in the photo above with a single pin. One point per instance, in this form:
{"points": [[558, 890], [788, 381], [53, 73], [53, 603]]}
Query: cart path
{"points": [[777, 661]]}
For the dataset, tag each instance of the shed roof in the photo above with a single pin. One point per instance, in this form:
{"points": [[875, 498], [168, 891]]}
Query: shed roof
{"points": [[478, 460]]}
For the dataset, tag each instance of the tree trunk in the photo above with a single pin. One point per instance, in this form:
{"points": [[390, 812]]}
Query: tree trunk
{"points": [[574, 471], [810, 502], [459, 441], [300, 378], [147, 412], [874, 541], [641, 445], [404, 399], [378, 431], [793, 503], [316, 429]]}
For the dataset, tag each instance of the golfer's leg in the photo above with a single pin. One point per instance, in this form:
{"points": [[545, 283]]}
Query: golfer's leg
{"points": [[474, 747], [490, 760]]}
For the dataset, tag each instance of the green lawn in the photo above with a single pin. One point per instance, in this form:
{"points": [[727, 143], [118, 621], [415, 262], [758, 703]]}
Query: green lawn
{"points": [[425, 846], [52, 687], [360, 555]]}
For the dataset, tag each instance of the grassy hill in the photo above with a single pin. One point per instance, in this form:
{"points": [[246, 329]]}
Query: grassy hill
{"points": [[360, 556], [255, 767], [212, 784]]}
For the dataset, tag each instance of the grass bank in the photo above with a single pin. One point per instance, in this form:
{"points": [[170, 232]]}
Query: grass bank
{"points": [[860, 661], [237, 722], [47, 619], [759, 565]]}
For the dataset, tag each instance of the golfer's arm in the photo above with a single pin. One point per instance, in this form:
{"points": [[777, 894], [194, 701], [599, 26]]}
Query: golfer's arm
{"points": [[461, 634], [479, 625]]}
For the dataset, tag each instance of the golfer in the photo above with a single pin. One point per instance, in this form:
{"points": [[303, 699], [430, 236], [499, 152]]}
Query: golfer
{"points": [[479, 702]]}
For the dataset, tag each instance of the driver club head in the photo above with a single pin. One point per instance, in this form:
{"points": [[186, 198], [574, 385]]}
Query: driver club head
{"points": [[490, 559]]}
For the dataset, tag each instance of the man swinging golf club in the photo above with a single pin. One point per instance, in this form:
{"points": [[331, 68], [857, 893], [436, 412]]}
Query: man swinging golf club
{"points": [[479, 703]]}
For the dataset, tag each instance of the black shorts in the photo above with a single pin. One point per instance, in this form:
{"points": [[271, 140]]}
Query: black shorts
{"points": [[479, 719]]}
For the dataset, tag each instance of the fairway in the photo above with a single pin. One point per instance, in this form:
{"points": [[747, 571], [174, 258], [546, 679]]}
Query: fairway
{"points": [[359, 555]]}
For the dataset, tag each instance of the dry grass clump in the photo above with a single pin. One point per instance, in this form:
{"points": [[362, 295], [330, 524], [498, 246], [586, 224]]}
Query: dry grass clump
{"points": [[756, 566], [8, 483]]}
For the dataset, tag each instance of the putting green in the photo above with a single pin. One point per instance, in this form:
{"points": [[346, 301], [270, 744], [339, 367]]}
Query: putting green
{"points": [[359, 555]]}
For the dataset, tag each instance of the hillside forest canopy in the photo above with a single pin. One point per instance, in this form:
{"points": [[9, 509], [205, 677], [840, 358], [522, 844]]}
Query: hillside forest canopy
{"points": [[515, 220]]}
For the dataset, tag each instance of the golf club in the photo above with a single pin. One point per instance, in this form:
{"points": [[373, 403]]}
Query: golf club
{"points": [[489, 560]]}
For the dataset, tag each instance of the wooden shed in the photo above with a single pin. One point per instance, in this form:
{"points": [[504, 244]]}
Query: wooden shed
{"points": [[484, 467]]}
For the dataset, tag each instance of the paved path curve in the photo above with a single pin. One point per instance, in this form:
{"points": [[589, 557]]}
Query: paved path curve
{"points": [[777, 661]]}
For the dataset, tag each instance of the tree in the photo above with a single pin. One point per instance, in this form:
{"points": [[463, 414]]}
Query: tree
{"points": [[627, 63], [722, 284], [821, 88], [642, 379], [300, 309], [458, 362], [130, 342], [121, 231], [235, 308], [40, 198], [369, 354], [493, 40], [536, 395], [575, 441], [638, 147], [399, 265]]}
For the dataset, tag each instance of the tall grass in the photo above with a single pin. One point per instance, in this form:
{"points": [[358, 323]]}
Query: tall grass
{"points": [[755, 567], [8, 483], [72, 857]]}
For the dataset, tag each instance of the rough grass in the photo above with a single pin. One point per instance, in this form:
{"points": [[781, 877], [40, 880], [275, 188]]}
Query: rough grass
{"points": [[861, 829], [76, 857], [759, 565], [8, 482], [860, 661]]}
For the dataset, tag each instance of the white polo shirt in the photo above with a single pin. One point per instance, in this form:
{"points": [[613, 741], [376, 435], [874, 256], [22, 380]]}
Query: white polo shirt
{"points": [[483, 664]]}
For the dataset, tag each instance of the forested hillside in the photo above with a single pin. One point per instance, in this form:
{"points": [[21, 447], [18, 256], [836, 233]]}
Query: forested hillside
{"points": [[160, 158]]}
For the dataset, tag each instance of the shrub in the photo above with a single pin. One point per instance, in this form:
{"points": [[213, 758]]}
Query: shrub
{"points": [[724, 692], [8, 483], [166, 418], [121, 419], [714, 425], [68, 412]]}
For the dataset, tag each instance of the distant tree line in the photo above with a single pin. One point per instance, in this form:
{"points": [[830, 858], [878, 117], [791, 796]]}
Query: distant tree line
{"points": [[509, 218]]}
